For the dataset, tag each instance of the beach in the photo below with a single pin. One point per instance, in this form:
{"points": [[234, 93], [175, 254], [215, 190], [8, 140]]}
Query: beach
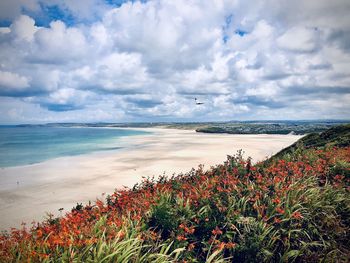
{"points": [[28, 192]]}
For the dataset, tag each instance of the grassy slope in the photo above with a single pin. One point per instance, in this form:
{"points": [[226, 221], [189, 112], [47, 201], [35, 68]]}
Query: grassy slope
{"points": [[338, 136], [294, 207]]}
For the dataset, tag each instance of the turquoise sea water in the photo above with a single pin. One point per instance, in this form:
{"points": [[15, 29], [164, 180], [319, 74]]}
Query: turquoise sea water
{"points": [[28, 145]]}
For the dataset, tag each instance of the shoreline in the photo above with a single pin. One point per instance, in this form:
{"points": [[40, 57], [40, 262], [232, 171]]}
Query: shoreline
{"points": [[65, 181]]}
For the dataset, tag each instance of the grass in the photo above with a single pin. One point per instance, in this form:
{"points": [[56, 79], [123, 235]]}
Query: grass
{"points": [[338, 136]]}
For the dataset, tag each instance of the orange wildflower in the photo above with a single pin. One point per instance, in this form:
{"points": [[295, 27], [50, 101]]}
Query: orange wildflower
{"points": [[276, 201], [181, 238], [191, 246], [297, 215], [221, 246], [216, 231], [230, 245], [277, 220], [279, 210]]}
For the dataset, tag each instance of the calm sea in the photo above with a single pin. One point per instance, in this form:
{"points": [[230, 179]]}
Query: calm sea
{"points": [[28, 145]]}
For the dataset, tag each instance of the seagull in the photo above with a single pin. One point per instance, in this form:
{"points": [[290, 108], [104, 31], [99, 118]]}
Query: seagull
{"points": [[198, 103]]}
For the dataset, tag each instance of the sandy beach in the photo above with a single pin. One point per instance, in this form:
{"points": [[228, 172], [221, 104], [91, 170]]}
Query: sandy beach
{"points": [[64, 182]]}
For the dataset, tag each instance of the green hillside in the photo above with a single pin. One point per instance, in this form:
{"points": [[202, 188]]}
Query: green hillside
{"points": [[338, 136]]}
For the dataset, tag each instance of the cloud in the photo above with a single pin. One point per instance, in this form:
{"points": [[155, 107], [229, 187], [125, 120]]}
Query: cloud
{"points": [[23, 28], [298, 39], [12, 9], [13, 80], [148, 60], [12, 83], [259, 102], [65, 99], [57, 44], [141, 102], [46, 10]]}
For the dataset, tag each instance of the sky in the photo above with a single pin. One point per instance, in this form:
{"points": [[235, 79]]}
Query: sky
{"points": [[146, 61]]}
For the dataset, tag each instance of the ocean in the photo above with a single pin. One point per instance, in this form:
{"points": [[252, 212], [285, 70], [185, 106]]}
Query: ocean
{"points": [[34, 144]]}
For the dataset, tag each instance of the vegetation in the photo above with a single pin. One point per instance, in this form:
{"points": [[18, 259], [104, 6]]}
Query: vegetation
{"points": [[338, 136], [232, 127], [292, 208], [297, 127]]}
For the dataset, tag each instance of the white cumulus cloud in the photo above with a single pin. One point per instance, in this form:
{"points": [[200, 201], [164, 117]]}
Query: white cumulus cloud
{"points": [[148, 60]]}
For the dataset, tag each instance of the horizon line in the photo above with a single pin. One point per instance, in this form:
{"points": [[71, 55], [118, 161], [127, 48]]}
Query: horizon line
{"points": [[185, 122]]}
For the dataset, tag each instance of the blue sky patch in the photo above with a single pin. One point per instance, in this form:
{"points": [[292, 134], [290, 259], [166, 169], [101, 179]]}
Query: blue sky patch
{"points": [[225, 28], [240, 32], [55, 13], [118, 3], [5, 23]]}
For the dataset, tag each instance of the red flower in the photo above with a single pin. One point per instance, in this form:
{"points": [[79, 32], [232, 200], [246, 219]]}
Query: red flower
{"points": [[221, 246], [297, 215], [279, 210], [191, 246], [216, 231], [276, 201], [181, 238], [277, 220], [230, 245]]}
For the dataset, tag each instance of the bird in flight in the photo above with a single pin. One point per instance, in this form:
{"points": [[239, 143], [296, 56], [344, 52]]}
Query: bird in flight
{"points": [[197, 102]]}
